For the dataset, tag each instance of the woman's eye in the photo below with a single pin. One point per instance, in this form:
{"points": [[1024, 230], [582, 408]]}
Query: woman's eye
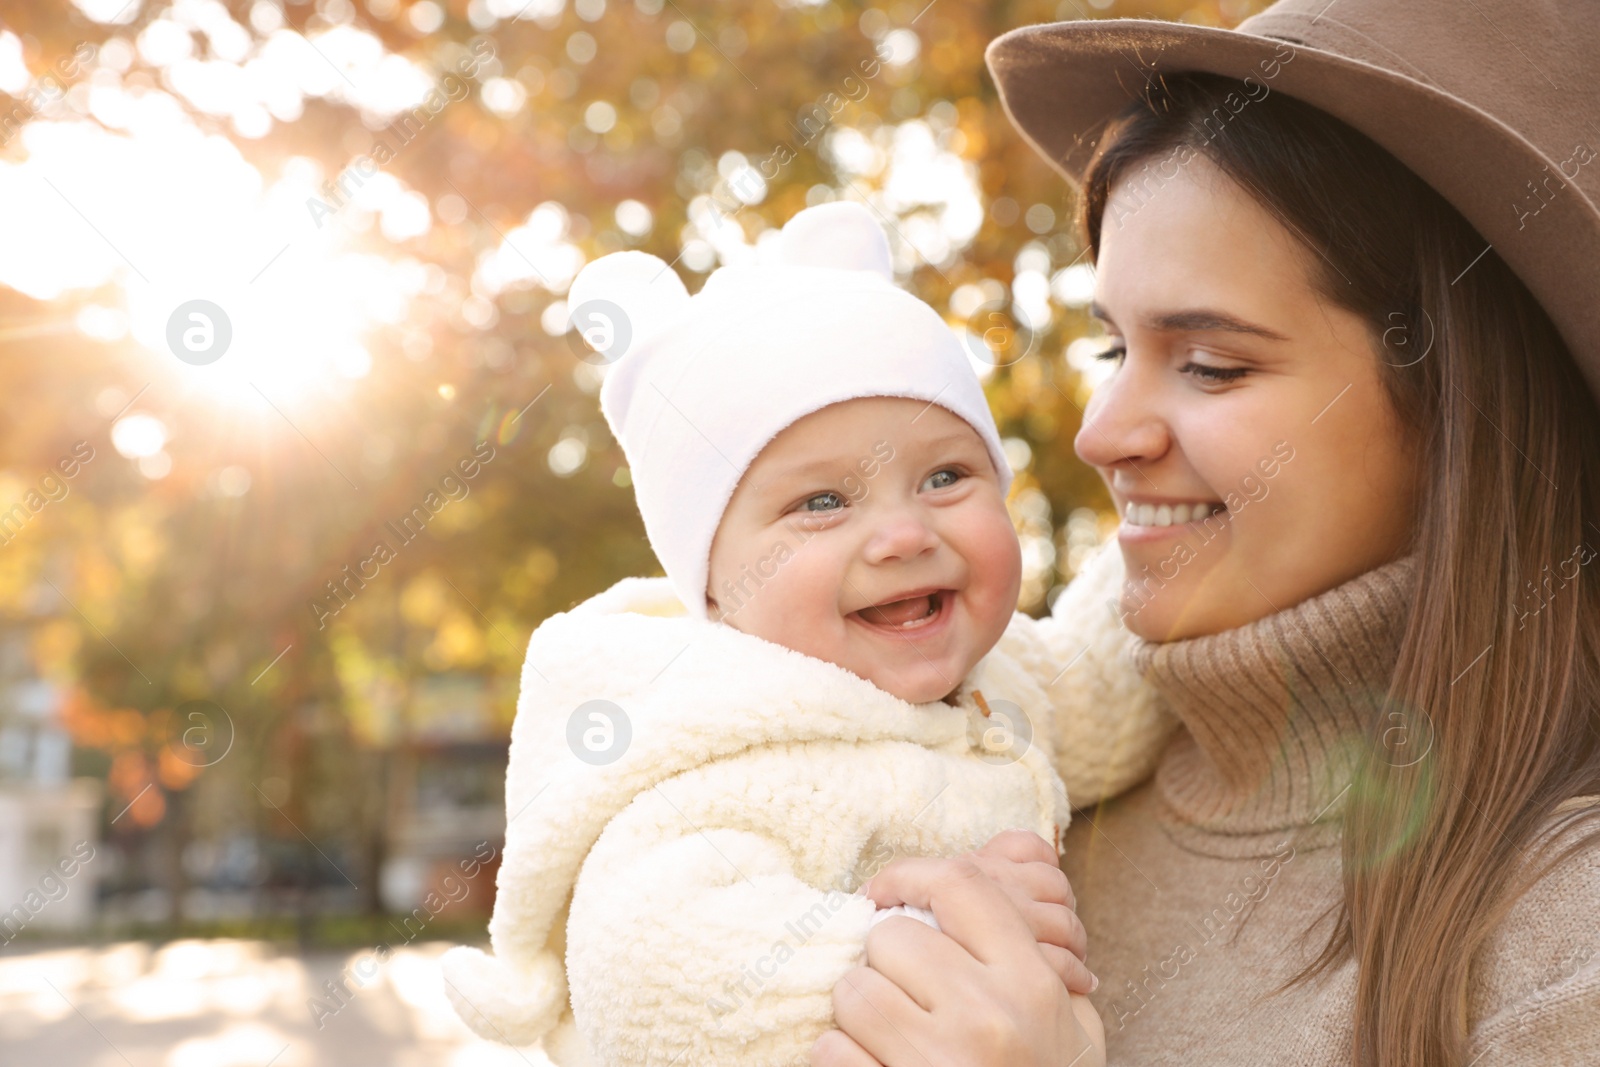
{"points": [[955, 476], [1113, 354], [1207, 373], [823, 496]]}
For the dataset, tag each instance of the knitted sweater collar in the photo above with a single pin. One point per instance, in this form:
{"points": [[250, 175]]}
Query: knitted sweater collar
{"points": [[1275, 713]]}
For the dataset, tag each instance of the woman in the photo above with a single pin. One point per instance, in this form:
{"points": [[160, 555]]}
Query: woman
{"points": [[1348, 260]]}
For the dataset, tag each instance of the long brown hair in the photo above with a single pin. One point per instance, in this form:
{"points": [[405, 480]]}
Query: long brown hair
{"points": [[1498, 679]]}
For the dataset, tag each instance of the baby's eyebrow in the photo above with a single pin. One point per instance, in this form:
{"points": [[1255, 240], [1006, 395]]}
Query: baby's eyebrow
{"points": [[835, 466], [815, 468]]}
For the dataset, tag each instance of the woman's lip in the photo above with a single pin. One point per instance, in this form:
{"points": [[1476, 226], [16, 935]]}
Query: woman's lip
{"points": [[941, 621], [1186, 507], [1130, 533]]}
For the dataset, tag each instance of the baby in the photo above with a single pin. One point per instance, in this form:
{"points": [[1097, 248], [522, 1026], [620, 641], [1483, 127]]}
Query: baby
{"points": [[706, 767]]}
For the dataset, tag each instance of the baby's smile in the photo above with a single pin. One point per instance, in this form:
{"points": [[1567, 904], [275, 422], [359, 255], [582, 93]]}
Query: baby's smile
{"points": [[911, 614]]}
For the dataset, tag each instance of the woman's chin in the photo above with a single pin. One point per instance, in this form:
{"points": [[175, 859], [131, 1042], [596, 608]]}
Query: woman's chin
{"points": [[1203, 596], [1172, 614], [1146, 623]]}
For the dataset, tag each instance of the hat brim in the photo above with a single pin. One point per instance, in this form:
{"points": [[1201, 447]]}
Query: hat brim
{"points": [[1062, 83]]}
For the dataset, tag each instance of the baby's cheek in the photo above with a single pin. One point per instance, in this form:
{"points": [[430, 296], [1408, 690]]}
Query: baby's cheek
{"points": [[996, 562], [990, 603], [994, 583]]}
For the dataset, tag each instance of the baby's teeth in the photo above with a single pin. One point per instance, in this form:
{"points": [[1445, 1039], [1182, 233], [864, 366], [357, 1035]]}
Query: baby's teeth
{"points": [[1164, 515]]}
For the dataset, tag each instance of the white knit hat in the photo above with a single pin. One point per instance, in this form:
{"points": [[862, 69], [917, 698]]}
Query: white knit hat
{"points": [[699, 385]]}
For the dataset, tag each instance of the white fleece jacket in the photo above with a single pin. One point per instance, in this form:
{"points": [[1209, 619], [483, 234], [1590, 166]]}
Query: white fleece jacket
{"points": [[692, 901]]}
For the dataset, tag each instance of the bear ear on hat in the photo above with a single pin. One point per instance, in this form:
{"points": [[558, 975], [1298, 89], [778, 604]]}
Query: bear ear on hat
{"points": [[842, 234], [643, 288]]}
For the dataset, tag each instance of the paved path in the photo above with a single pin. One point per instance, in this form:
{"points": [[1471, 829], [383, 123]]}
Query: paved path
{"points": [[231, 1004]]}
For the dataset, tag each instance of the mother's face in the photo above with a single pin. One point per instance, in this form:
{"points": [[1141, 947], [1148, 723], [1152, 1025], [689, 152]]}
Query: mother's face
{"points": [[1245, 435]]}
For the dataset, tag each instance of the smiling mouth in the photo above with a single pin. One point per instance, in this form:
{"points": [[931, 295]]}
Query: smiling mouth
{"points": [[909, 613], [1170, 514]]}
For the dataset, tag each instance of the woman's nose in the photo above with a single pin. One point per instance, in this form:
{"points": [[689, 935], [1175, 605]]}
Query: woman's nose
{"points": [[1121, 425]]}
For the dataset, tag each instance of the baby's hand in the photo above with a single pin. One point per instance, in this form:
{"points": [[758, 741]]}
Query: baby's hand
{"points": [[1025, 866]]}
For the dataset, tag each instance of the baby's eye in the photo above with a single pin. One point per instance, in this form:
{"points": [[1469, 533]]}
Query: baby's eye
{"points": [[954, 474], [830, 495]]}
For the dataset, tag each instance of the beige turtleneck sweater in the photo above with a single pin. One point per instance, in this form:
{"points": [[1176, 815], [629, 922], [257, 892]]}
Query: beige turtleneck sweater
{"points": [[1196, 885]]}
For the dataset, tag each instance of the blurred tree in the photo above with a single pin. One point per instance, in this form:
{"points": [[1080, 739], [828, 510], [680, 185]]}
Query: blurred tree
{"points": [[242, 573]]}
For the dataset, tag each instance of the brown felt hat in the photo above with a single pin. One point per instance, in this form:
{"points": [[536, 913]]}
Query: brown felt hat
{"points": [[1491, 102]]}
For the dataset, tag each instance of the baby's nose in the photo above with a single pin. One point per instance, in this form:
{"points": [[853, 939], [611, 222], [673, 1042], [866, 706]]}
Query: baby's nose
{"points": [[901, 536]]}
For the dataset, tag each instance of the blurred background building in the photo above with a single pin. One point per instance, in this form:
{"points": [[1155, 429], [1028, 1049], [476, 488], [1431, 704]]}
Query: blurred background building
{"points": [[49, 820]]}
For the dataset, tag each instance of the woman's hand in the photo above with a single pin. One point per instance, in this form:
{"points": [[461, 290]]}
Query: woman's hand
{"points": [[978, 992], [1024, 865]]}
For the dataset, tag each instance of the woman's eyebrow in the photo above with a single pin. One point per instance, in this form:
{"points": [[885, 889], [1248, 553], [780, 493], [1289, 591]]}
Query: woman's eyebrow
{"points": [[1197, 320]]}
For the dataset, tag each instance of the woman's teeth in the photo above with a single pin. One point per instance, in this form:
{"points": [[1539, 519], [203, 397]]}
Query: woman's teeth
{"points": [[1168, 514]]}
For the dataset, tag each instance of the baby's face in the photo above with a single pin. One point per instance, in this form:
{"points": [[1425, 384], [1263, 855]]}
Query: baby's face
{"points": [[872, 534]]}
